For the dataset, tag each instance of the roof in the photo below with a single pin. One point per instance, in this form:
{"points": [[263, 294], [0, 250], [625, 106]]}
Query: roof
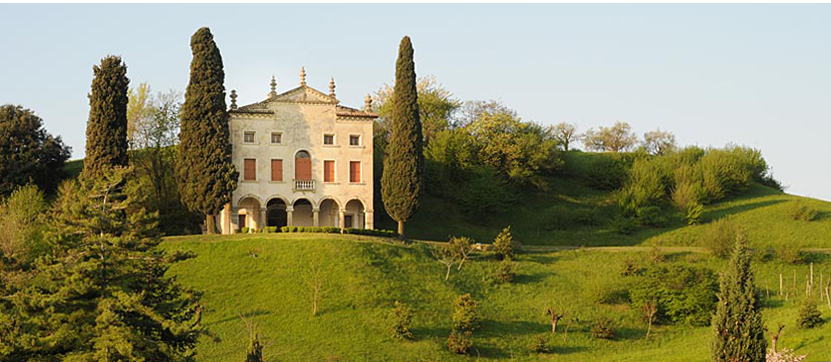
{"points": [[302, 94]]}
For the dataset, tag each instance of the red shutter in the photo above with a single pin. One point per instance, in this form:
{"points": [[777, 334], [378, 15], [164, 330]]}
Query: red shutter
{"points": [[354, 171], [328, 171], [250, 170], [276, 170], [303, 168]]}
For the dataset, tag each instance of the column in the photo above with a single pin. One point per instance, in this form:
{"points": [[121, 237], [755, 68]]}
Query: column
{"points": [[369, 219], [263, 222], [289, 214], [234, 220], [316, 217], [341, 216], [226, 219]]}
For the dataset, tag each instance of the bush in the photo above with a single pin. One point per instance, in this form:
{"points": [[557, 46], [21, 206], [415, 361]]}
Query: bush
{"points": [[244, 230], [684, 294], [464, 314], [540, 343], [503, 245], [630, 267], [694, 212], [800, 210], [606, 173], [790, 253], [506, 271], [650, 216], [22, 225], [402, 319], [719, 237], [371, 232], [603, 328], [459, 342], [623, 226], [809, 315]]}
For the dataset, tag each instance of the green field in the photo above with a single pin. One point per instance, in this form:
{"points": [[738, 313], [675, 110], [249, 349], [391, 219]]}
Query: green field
{"points": [[261, 277]]}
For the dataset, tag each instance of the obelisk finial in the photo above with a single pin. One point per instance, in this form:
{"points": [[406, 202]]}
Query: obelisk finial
{"points": [[332, 87], [368, 103], [233, 99], [273, 87], [303, 76]]}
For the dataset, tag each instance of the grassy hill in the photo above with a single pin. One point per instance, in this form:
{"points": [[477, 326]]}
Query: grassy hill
{"points": [[261, 277]]}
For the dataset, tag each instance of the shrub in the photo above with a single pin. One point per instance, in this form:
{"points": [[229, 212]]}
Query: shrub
{"points": [[284, 229], [603, 328], [623, 226], [464, 314], [630, 267], [540, 343], [22, 225], [244, 230], [506, 271], [656, 255], [402, 319], [650, 216], [686, 193], [503, 245], [790, 253], [612, 295], [801, 211], [459, 342], [694, 212], [719, 237], [809, 315], [684, 294], [371, 232], [606, 173]]}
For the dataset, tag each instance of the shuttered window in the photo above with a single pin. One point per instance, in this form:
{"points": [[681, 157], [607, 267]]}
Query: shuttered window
{"points": [[276, 170], [354, 171], [250, 169], [328, 171]]}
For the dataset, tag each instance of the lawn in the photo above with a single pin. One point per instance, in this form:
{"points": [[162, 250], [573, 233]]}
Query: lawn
{"points": [[260, 279]]}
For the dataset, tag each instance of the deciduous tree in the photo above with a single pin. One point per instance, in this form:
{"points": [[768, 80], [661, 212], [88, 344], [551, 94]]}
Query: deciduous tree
{"points": [[617, 138]]}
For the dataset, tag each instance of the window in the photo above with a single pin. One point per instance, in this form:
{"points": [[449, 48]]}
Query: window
{"points": [[328, 139], [354, 140], [276, 138], [248, 137], [354, 171], [276, 170], [250, 169], [328, 171]]}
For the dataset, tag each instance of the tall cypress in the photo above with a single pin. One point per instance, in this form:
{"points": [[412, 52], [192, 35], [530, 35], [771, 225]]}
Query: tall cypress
{"points": [[737, 326], [205, 171], [107, 126], [404, 160]]}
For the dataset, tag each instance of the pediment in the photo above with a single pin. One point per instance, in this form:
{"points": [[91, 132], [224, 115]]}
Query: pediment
{"points": [[303, 94]]}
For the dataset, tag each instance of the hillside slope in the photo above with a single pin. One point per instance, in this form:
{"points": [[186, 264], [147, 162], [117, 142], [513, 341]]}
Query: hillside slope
{"points": [[262, 277]]}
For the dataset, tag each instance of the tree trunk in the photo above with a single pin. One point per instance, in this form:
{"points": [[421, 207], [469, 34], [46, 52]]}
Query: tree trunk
{"points": [[210, 227], [401, 228], [447, 275]]}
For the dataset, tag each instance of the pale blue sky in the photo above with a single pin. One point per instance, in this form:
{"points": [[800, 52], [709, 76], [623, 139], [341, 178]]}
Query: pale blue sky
{"points": [[757, 75]]}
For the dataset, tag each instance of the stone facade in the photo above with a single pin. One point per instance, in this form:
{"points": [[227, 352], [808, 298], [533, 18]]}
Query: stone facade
{"points": [[303, 159]]}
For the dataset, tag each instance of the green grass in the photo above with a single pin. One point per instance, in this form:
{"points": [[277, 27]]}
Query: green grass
{"points": [[261, 277]]}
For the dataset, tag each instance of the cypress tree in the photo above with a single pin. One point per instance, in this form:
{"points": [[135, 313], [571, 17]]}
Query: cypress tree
{"points": [[404, 159], [205, 171], [737, 325], [107, 126]]}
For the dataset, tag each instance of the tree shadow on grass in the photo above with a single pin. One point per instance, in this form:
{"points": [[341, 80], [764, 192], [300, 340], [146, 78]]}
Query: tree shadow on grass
{"points": [[256, 313], [720, 213], [822, 216], [491, 328], [531, 278], [568, 349]]}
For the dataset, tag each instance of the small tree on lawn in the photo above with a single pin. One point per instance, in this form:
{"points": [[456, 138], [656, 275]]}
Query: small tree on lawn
{"points": [[465, 321], [444, 255], [649, 309], [555, 316], [315, 281], [460, 249], [809, 315], [737, 326], [503, 245], [403, 318]]}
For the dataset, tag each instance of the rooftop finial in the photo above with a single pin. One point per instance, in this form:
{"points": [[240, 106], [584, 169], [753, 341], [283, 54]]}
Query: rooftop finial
{"points": [[273, 87], [368, 103], [302, 76], [233, 99], [332, 87]]}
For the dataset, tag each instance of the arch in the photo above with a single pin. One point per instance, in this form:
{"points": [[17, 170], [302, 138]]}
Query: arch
{"points": [[302, 165], [303, 212], [249, 196], [276, 212], [354, 214], [329, 213], [358, 199], [277, 197]]}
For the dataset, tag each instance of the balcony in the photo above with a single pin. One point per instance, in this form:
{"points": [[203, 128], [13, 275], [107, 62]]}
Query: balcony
{"points": [[304, 185]]}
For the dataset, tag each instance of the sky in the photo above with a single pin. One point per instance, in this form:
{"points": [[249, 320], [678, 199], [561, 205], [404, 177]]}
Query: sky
{"points": [[753, 75]]}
